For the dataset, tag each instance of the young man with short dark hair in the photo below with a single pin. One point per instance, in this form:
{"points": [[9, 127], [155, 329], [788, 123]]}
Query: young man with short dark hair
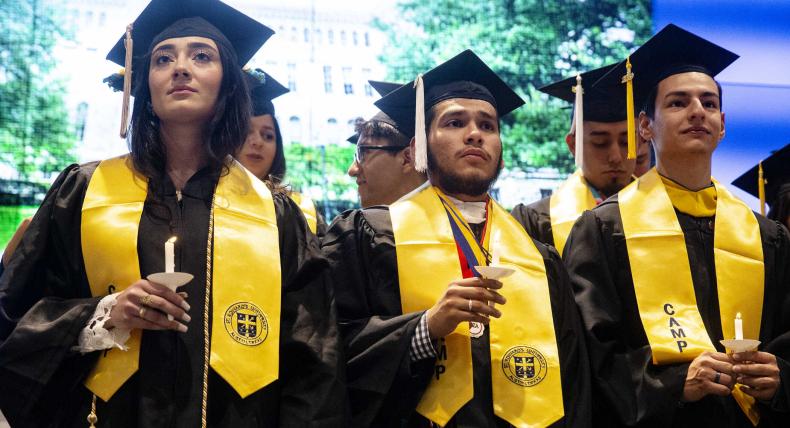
{"points": [[601, 154], [428, 340], [383, 166], [674, 264]]}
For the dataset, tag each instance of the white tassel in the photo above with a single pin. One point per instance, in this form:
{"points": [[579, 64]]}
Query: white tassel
{"points": [[420, 139], [127, 81], [578, 122]]}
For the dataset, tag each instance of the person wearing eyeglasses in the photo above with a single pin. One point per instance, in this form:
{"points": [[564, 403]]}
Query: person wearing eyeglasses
{"points": [[383, 165]]}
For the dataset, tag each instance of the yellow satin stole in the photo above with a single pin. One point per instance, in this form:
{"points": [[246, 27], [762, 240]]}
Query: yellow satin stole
{"points": [[662, 274], [526, 383], [566, 205], [308, 209], [246, 276]]}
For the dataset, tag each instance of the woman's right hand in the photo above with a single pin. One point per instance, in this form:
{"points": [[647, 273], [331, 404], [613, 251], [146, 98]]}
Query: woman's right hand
{"points": [[146, 305]]}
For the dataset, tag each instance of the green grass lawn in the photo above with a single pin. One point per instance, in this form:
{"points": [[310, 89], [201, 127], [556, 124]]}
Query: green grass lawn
{"points": [[10, 217]]}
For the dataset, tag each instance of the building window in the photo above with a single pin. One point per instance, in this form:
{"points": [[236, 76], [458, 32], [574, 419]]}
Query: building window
{"points": [[348, 88], [306, 35], [328, 79], [355, 38], [82, 115], [102, 19], [318, 36], [295, 129], [331, 36], [331, 121], [367, 39], [368, 88], [294, 34], [343, 38], [292, 77]]}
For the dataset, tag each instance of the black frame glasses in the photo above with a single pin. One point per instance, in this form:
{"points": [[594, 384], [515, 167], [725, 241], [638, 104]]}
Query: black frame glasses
{"points": [[359, 153]]}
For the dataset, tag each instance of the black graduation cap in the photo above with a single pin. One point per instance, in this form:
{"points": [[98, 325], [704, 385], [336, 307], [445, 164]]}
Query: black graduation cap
{"points": [[383, 88], [263, 89], [776, 173], [671, 51], [599, 105], [463, 76], [210, 17]]}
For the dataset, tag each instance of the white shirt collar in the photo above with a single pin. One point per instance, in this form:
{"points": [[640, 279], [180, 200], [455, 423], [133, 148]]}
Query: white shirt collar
{"points": [[473, 212]]}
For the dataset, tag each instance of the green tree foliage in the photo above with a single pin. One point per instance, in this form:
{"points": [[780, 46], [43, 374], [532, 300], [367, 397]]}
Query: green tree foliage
{"points": [[529, 43], [324, 166], [35, 131]]}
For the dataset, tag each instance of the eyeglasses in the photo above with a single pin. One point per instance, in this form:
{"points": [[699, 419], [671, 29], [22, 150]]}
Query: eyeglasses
{"points": [[359, 154]]}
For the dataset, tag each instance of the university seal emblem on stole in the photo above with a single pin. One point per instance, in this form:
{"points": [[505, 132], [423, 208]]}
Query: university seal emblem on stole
{"points": [[524, 366], [246, 324]]}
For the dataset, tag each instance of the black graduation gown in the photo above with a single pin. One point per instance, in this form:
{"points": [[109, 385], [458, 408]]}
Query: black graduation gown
{"points": [[320, 225], [628, 389], [45, 301], [384, 386], [536, 220]]}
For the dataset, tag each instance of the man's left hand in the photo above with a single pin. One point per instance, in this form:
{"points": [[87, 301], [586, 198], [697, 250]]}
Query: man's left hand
{"points": [[758, 372]]}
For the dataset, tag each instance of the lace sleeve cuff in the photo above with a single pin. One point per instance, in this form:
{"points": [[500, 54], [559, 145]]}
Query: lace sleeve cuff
{"points": [[94, 337]]}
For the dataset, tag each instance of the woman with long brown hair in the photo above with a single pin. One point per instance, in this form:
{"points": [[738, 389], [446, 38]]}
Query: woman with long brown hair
{"points": [[89, 326], [263, 153]]}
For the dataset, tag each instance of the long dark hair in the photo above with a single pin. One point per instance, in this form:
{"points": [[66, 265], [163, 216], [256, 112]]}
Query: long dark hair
{"points": [[278, 168], [224, 134]]}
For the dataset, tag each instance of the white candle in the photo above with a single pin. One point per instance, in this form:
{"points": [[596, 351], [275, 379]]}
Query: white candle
{"points": [[738, 327], [495, 249], [170, 256]]}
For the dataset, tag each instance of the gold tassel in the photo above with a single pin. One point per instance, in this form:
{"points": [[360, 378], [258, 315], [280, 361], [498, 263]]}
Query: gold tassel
{"points": [[761, 187], [629, 99], [127, 81], [92, 418]]}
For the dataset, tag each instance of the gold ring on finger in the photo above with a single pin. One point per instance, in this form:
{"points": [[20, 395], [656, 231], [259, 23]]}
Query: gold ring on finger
{"points": [[470, 305], [142, 312], [146, 300]]}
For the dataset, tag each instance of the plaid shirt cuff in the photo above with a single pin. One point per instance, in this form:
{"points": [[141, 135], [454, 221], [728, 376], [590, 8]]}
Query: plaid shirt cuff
{"points": [[421, 346]]}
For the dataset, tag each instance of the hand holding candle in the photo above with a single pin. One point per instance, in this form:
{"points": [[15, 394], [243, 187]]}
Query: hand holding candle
{"points": [[494, 270], [170, 264], [173, 280], [739, 344], [738, 327]]}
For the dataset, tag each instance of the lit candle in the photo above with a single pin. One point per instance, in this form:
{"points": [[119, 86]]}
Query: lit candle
{"points": [[495, 249], [170, 257], [738, 327]]}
